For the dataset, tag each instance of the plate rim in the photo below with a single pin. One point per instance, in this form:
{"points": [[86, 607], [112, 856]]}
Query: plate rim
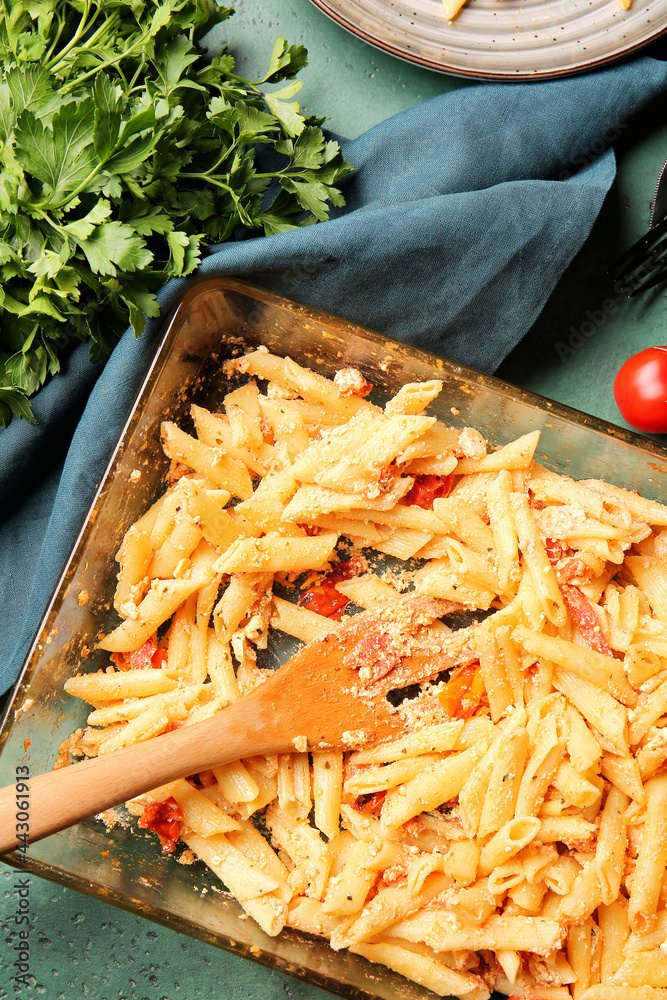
{"points": [[494, 76]]}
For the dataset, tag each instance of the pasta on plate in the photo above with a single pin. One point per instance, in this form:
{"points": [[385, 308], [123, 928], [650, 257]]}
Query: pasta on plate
{"points": [[453, 7], [514, 839]]}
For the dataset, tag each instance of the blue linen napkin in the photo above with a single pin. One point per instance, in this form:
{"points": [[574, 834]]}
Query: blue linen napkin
{"points": [[460, 219]]}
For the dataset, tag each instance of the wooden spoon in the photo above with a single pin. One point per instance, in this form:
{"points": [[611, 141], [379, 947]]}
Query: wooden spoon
{"points": [[332, 692]]}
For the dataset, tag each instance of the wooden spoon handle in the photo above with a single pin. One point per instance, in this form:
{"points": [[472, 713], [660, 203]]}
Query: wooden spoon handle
{"points": [[61, 798]]}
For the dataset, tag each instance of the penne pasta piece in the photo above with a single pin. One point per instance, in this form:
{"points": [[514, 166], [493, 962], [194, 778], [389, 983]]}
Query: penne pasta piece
{"points": [[565, 829], [443, 932], [613, 923], [431, 740], [439, 783], [299, 622], [599, 708], [582, 747], [624, 773], [403, 543], [541, 767], [508, 841], [652, 858], [640, 507], [576, 789], [515, 455], [642, 968], [493, 673], [425, 970], [312, 386], [503, 788], [159, 604], [611, 845], [275, 554], [101, 687], [647, 714], [235, 783], [359, 471], [327, 790], [200, 814], [413, 397], [604, 671], [390, 906], [225, 472], [151, 722], [215, 430], [303, 844], [245, 417], [583, 898], [134, 556], [505, 537], [534, 555], [377, 779], [347, 891]]}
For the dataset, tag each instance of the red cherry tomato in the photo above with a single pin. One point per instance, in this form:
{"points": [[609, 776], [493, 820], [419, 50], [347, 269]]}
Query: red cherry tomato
{"points": [[640, 390]]}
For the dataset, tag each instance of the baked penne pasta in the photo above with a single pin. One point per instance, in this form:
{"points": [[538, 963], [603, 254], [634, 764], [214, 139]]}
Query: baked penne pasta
{"points": [[514, 837]]}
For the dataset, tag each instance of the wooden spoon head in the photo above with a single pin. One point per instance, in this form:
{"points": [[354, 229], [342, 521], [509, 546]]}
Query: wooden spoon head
{"points": [[335, 689]]}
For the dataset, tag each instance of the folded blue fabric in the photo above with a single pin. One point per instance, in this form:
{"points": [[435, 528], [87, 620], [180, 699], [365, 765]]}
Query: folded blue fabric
{"points": [[461, 217]]}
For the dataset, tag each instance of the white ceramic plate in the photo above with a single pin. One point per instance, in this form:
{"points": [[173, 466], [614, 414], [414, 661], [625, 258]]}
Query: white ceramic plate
{"points": [[508, 40]]}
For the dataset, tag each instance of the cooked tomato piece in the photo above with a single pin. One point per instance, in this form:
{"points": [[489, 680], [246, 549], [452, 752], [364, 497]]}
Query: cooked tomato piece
{"points": [[369, 803], [426, 489], [376, 654], [120, 660], [584, 616], [142, 659], [323, 598], [573, 568], [463, 691], [164, 818], [160, 656], [555, 550], [345, 570], [149, 655]]}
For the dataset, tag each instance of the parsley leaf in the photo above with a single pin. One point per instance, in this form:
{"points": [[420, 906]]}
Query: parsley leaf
{"points": [[126, 151]]}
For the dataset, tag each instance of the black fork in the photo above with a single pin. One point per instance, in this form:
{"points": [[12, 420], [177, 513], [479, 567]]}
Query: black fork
{"points": [[644, 265]]}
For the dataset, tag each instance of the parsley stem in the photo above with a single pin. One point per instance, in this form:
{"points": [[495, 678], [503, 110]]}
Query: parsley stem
{"points": [[73, 40], [280, 173], [93, 39], [77, 81], [255, 86], [233, 76], [131, 84], [103, 29], [212, 180], [72, 194], [52, 46], [225, 156]]}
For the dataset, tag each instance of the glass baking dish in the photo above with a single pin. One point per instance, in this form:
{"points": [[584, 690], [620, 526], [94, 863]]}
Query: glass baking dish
{"points": [[215, 319]]}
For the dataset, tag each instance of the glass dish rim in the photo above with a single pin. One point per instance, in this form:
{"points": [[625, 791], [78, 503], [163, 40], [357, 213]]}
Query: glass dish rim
{"points": [[164, 342]]}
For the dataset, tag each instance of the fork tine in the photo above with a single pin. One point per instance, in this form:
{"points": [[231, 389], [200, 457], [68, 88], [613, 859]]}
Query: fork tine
{"points": [[656, 279], [627, 263]]}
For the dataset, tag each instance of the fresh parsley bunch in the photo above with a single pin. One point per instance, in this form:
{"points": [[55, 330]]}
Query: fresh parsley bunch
{"points": [[124, 151]]}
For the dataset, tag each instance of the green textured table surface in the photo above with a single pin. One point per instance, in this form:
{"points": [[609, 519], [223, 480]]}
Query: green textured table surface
{"points": [[83, 948]]}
